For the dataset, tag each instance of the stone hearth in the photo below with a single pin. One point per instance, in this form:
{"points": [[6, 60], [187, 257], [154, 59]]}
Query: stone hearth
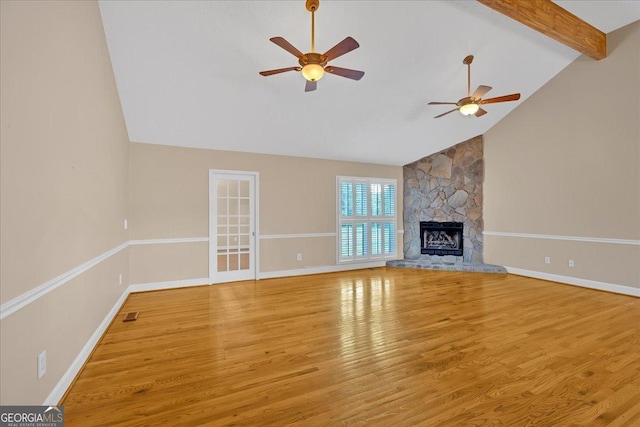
{"points": [[447, 265]]}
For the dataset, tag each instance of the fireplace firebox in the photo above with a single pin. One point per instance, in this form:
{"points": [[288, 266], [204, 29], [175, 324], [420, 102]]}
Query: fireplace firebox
{"points": [[441, 238]]}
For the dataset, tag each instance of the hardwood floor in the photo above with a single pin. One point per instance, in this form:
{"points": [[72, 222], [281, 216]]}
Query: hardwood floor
{"points": [[388, 347]]}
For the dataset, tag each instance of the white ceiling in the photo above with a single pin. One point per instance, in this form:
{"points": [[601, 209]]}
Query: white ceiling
{"points": [[187, 72]]}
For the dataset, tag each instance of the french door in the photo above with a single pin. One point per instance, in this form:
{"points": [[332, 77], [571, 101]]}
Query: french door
{"points": [[232, 219]]}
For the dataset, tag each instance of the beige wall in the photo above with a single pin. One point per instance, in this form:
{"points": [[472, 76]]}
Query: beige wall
{"points": [[169, 198], [168, 262], [567, 162], [64, 155]]}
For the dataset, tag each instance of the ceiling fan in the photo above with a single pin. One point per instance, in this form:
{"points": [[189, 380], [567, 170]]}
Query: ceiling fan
{"points": [[313, 65], [471, 104]]}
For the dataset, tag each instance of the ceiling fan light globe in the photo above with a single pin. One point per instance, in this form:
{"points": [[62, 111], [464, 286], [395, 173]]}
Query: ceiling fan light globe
{"points": [[313, 72], [469, 109]]}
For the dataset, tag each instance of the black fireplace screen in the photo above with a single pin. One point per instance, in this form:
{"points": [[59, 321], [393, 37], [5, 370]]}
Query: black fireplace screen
{"points": [[441, 238]]}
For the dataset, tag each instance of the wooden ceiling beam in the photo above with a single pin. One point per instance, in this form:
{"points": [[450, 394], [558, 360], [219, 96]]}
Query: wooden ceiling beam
{"points": [[553, 21]]}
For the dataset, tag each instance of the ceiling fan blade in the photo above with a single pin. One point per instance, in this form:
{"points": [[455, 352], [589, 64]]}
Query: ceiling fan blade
{"points": [[278, 71], [442, 103], [280, 41], [505, 98], [345, 46], [310, 86], [480, 92], [344, 72], [444, 114], [480, 112]]}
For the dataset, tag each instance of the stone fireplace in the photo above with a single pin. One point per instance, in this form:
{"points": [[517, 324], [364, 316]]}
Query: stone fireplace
{"points": [[445, 188]]}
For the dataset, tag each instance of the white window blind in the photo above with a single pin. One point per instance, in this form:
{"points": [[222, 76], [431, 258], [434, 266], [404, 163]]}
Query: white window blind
{"points": [[366, 218]]}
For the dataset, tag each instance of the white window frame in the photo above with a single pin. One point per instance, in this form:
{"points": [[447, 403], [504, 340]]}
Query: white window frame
{"points": [[368, 219]]}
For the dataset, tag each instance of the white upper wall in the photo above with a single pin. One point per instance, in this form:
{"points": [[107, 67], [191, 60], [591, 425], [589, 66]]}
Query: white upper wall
{"points": [[187, 73]]}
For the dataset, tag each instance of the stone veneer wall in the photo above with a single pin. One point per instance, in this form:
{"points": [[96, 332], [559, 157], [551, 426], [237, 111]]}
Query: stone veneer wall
{"points": [[446, 186]]}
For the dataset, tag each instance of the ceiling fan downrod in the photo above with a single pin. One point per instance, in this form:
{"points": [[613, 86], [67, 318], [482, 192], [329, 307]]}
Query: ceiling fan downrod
{"points": [[312, 6], [467, 61]]}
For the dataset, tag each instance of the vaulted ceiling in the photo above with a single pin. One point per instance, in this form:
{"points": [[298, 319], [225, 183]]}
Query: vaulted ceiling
{"points": [[187, 72]]}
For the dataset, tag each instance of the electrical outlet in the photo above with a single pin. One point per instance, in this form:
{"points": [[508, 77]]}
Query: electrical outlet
{"points": [[42, 364], [571, 263], [120, 279], [299, 257], [547, 260]]}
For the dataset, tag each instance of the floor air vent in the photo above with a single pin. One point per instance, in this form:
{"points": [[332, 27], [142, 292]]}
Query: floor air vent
{"points": [[130, 317]]}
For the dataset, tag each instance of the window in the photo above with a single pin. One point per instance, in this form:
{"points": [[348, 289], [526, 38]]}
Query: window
{"points": [[366, 218]]}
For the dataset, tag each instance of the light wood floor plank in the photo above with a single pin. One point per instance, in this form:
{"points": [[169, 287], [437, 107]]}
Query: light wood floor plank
{"points": [[368, 347]]}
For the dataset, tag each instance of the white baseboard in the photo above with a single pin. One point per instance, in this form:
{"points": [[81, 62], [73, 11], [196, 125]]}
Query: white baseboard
{"points": [[591, 284], [322, 269], [60, 389], [155, 286]]}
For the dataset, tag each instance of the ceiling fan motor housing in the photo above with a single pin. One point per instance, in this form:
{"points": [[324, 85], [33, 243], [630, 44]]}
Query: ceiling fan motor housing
{"points": [[313, 58]]}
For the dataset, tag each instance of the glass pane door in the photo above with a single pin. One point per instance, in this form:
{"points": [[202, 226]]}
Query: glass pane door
{"points": [[233, 242]]}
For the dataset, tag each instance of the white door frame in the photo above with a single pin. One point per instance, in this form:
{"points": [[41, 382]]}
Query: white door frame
{"points": [[212, 231]]}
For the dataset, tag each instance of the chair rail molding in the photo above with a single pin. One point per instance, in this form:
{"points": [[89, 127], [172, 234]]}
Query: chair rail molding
{"points": [[565, 238]]}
